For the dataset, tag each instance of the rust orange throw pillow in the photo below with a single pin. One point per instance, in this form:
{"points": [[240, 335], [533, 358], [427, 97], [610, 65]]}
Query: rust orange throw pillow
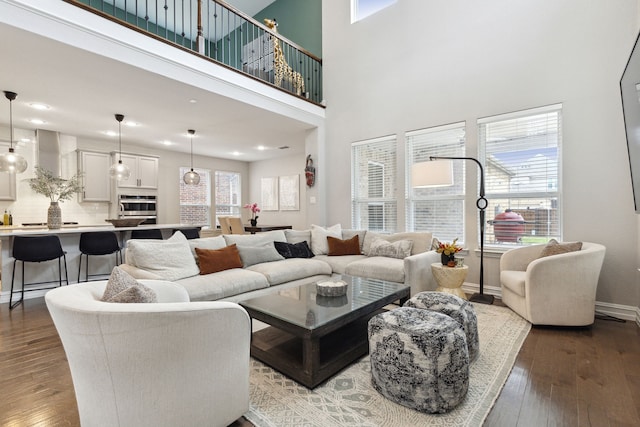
{"points": [[344, 247], [214, 260]]}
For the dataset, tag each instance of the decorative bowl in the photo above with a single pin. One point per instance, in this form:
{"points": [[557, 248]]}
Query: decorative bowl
{"points": [[331, 288], [337, 301], [125, 222]]}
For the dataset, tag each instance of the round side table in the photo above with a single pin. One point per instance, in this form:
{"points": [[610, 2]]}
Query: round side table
{"points": [[450, 279]]}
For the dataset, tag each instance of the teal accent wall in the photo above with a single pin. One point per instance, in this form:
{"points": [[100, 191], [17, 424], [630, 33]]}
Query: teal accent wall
{"points": [[298, 20]]}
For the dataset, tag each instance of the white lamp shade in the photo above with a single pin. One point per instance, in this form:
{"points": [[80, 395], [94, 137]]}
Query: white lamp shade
{"points": [[435, 173]]}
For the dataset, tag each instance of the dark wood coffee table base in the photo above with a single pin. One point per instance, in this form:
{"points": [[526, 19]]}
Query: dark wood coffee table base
{"points": [[312, 360]]}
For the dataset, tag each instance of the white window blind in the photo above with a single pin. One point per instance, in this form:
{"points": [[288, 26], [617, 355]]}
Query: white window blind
{"points": [[228, 194], [373, 184], [439, 210], [195, 200], [521, 154]]}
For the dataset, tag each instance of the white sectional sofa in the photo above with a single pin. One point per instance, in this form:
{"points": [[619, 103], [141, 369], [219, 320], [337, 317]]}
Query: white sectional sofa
{"points": [[263, 267]]}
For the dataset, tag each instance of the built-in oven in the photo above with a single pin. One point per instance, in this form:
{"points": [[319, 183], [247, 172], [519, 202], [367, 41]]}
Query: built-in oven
{"points": [[138, 206]]}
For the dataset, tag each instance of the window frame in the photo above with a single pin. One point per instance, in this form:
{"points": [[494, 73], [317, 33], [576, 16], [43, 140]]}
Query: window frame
{"points": [[234, 209], [439, 194], [552, 197], [205, 179], [388, 189]]}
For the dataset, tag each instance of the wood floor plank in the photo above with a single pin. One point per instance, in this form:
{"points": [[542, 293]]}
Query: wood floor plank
{"points": [[561, 377]]}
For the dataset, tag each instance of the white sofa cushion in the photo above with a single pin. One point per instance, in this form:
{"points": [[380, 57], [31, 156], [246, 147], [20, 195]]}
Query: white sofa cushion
{"points": [[319, 234], [383, 268], [222, 284], [251, 255], [514, 281], [217, 242], [289, 269], [170, 259], [339, 263], [349, 233], [255, 239], [297, 236]]}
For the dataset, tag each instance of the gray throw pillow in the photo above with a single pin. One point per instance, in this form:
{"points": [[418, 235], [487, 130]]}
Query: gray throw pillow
{"points": [[251, 255], [122, 287], [400, 249]]}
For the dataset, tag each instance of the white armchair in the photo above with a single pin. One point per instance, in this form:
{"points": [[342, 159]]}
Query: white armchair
{"points": [[554, 290], [169, 363]]}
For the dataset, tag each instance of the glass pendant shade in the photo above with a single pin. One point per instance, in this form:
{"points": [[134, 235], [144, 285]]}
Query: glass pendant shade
{"points": [[119, 170], [191, 177], [12, 162]]}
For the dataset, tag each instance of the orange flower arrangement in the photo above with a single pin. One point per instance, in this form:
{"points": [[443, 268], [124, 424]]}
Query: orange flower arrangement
{"points": [[448, 250]]}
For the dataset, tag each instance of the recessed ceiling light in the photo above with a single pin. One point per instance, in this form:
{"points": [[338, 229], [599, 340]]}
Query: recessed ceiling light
{"points": [[261, 147], [236, 153], [25, 139], [110, 133], [167, 142], [39, 106], [193, 101], [37, 121], [131, 124]]}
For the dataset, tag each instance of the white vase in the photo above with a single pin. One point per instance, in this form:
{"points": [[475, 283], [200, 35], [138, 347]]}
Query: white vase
{"points": [[54, 216]]}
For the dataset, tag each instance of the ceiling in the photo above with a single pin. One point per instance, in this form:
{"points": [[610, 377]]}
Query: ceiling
{"points": [[85, 90]]}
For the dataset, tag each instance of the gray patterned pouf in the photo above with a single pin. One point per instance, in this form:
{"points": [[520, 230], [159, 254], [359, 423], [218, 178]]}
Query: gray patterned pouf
{"points": [[454, 307], [419, 359]]}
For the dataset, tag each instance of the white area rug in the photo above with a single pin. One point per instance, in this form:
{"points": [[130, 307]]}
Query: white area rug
{"points": [[348, 399]]}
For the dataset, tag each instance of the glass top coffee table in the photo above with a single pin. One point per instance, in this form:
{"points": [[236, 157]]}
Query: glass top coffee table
{"points": [[312, 337]]}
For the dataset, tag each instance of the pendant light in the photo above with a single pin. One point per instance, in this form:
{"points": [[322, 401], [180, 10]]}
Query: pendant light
{"points": [[12, 162], [191, 177], [119, 170]]}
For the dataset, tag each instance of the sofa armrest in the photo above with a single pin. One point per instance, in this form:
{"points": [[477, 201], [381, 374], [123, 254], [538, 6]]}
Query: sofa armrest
{"points": [[417, 271], [139, 273]]}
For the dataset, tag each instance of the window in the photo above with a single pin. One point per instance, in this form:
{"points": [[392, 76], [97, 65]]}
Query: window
{"points": [[439, 210], [373, 185], [195, 200], [228, 194], [360, 9], [521, 154]]}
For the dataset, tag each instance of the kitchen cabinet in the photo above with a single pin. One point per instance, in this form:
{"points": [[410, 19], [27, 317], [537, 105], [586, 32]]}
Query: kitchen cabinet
{"points": [[7, 186], [94, 167], [144, 171]]}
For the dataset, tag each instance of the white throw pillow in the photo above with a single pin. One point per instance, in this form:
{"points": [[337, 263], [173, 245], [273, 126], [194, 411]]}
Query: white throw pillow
{"points": [[217, 242], [319, 245], [170, 259]]}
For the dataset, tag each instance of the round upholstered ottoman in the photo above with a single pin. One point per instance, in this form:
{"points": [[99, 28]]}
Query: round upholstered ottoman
{"points": [[419, 359], [455, 307]]}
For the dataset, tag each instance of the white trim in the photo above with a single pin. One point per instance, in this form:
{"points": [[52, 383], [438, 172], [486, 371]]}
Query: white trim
{"points": [[387, 138], [626, 312], [428, 130], [521, 113]]}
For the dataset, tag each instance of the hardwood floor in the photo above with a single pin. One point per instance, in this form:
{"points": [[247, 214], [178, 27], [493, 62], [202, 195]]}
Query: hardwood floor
{"points": [[562, 377]]}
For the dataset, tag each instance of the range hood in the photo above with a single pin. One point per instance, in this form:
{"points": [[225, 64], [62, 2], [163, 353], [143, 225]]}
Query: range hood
{"points": [[48, 156]]}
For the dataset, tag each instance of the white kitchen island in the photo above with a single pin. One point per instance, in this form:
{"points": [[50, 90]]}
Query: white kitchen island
{"points": [[69, 238]]}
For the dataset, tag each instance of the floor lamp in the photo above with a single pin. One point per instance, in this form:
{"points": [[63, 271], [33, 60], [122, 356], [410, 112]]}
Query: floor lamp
{"points": [[440, 173]]}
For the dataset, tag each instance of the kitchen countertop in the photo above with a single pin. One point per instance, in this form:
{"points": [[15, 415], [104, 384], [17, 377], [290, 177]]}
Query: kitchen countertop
{"points": [[18, 230]]}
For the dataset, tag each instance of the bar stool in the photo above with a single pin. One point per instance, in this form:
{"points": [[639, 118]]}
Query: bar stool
{"points": [[36, 249], [146, 234], [98, 243], [189, 233]]}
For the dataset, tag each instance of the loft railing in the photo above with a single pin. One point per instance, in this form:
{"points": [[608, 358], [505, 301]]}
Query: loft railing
{"points": [[215, 30]]}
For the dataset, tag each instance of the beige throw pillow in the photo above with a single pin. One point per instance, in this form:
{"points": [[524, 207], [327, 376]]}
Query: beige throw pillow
{"points": [[555, 248], [122, 287], [319, 245]]}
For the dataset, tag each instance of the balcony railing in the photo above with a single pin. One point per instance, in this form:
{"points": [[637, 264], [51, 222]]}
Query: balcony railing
{"points": [[216, 31]]}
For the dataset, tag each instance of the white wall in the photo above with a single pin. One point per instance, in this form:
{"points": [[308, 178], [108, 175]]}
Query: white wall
{"points": [[283, 166], [423, 63]]}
